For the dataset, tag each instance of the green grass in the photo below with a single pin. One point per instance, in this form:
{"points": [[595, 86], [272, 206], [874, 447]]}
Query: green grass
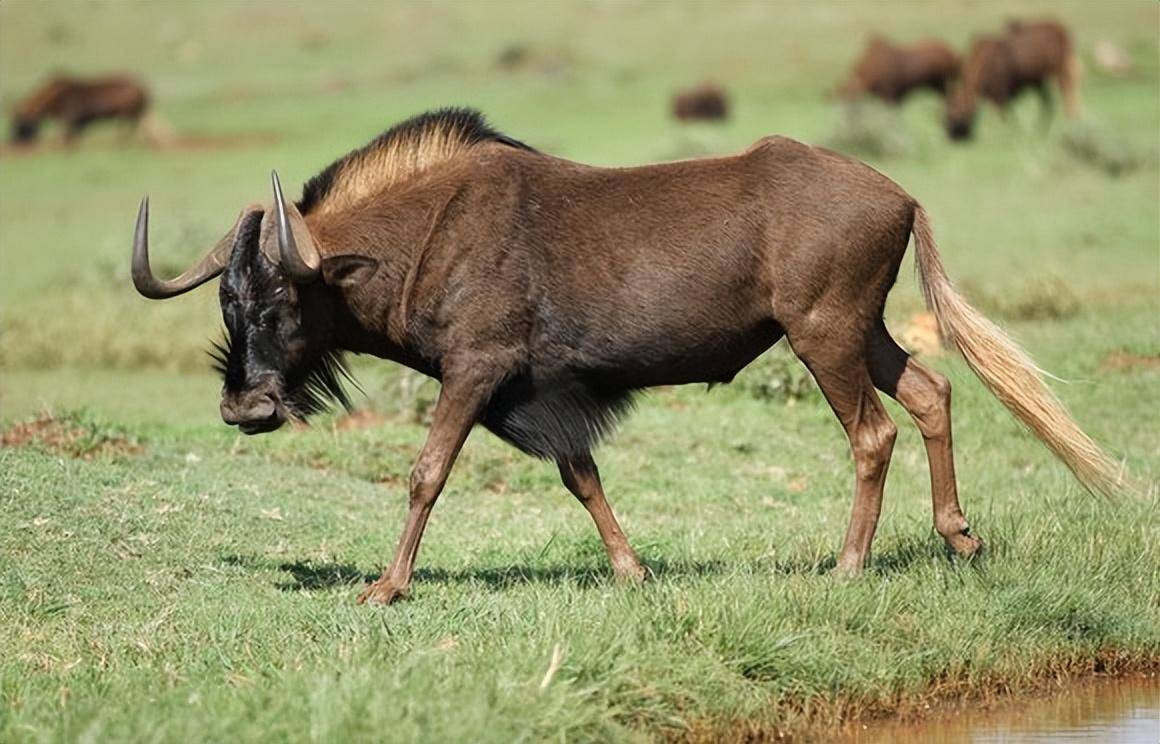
{"points": [[162, 578]]}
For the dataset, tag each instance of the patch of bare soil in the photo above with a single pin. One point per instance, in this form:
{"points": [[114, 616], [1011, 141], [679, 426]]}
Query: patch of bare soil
{"points": [[68, 438], [360, 419], [1122, 360], [920, 335]]}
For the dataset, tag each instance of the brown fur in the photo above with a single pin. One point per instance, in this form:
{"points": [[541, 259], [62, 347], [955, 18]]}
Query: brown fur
{"points": [[705, 102], [543, 292], [1027, 55], [892, 71], [78, 102]]}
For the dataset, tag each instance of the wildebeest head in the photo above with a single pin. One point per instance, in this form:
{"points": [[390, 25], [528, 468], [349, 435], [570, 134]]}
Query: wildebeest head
{"points": [[277, 302], [960, 117], [24, 129]]}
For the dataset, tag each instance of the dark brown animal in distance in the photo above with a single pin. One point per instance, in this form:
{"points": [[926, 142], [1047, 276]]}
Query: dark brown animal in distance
{"points": [[891, 71], [543, 293], [77, 102], [705, 102], [998, 68]]}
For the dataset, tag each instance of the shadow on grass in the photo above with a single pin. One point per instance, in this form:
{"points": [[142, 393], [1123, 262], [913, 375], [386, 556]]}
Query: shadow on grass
{"points": [[499, 577], [318, 576], [308, 575], [897, 558], [313, 576]]}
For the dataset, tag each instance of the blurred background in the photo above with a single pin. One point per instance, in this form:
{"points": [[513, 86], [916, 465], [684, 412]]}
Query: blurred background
{"points": [[1034, 221]]}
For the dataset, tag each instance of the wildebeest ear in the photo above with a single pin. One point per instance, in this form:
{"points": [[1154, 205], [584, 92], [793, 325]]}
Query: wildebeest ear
{"points": [[348, 270]]}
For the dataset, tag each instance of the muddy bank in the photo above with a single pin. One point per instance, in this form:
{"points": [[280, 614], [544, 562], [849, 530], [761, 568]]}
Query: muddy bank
{"points": [[1114, 694], [1125, 709]]}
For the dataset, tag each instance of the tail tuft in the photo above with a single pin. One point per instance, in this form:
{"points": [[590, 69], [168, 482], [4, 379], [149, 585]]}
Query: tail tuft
{"points": [[1009, 373]]}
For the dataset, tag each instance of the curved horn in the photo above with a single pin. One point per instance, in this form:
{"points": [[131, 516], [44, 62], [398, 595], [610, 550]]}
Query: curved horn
{"points": [[301, 263], [159, 289]]}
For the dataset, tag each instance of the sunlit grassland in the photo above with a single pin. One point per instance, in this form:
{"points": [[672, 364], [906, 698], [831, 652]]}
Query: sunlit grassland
{"points": [[198, 585]]}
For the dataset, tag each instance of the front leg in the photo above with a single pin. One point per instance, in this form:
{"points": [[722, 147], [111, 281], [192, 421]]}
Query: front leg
{"points": [[460, 404]]}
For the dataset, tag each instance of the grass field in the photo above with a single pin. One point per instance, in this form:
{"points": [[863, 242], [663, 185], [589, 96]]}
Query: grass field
{"points": [[162, 578]]}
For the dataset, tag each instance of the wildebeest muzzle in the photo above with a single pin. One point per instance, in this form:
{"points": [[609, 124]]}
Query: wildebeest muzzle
{"points": [[256, 410]]}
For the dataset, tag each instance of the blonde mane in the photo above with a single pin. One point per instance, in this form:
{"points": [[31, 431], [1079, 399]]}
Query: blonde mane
{"points": [[398, 155]]}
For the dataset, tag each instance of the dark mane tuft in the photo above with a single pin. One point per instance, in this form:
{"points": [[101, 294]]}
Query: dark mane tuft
{"points": [[558, 418], [403, 150], [321, 386], [315, 389]]}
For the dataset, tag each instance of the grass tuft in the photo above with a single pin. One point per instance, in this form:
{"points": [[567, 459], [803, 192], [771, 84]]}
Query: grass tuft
{"points": [[869, 129], [1105, 150], [777, 375], [73, 433], [1041, 298]]}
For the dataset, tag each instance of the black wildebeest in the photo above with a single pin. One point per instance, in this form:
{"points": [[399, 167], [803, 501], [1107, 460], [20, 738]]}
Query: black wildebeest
{"points": [[705, 102], [543, 292], [76, 103], [892, 71], [1026, 56]]}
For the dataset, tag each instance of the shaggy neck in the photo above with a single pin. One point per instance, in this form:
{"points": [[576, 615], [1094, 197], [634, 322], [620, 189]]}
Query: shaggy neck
{"points": [[372, 315]]}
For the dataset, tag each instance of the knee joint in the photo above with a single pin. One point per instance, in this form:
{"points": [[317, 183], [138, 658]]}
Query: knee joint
{"points": [[425, 484], [872, 449], [935, 419]]}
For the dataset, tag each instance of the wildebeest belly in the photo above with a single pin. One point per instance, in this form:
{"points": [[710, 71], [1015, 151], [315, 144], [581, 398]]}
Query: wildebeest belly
{"points": [[591, 350], [659, 320], [572, 397]]}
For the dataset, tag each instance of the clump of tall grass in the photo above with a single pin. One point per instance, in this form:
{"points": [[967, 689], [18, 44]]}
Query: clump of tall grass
{"points": [[1105, 150], [868, 129], [84, 326], [413, 396], [1039, 298], [76, 434], [777, 375]]}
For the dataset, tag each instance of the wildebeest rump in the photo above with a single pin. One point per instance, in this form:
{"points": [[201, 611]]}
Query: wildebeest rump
{"points": [[705, 102], [543, 293], [1027, 56], [892, 71], [76, 103]]}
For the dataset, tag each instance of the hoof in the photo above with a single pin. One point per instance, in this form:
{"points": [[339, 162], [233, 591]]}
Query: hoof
{"points": [[964, 543], [381, 593], [632, 573], [847, 569]]}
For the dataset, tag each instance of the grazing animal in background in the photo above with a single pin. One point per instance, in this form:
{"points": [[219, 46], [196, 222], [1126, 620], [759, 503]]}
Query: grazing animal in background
{"points": [[76, 103], [891, 72], [1027, 56], [705, 102], [543, 293]]}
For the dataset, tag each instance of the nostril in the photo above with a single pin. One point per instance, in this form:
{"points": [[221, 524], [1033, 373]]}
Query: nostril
{"points": [[256, 409], [229, 415], [262, 409]]}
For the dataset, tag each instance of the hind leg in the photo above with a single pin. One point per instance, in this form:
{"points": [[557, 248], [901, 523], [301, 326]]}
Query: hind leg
{"points": [[840, 370], [926, 396], [581, 477]]}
